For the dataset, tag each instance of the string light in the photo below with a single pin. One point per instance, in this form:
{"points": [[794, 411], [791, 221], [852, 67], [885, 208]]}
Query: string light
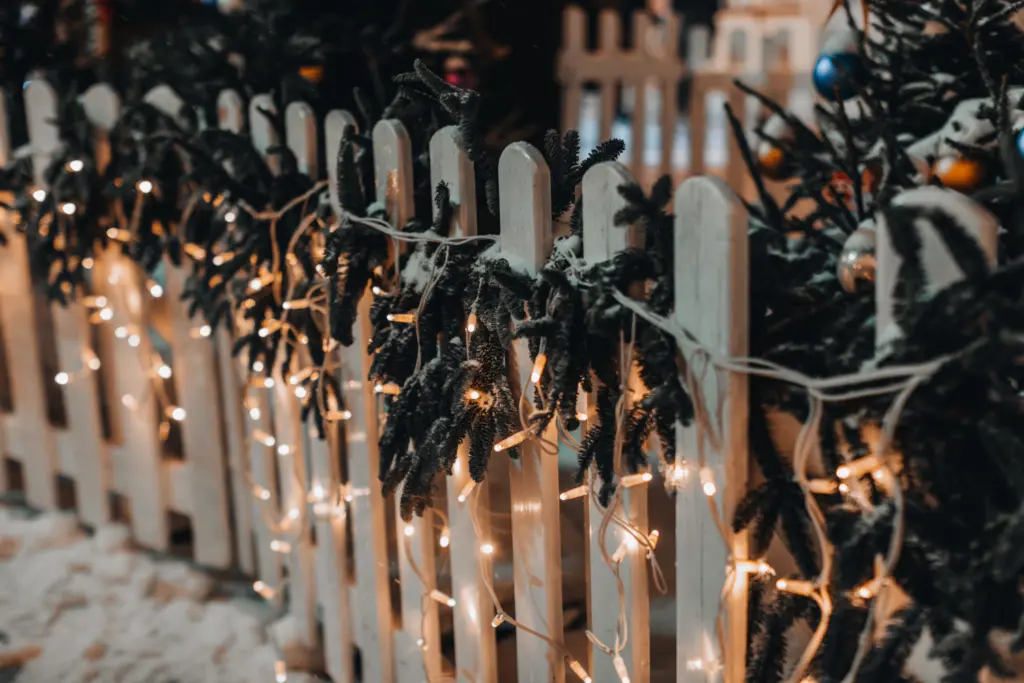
{"points": [[409, 530], [230, 216], [577, 492], [471, 323], [264, 438], [257, 366], [580, 672], [62, 378], [262, 493], [263, 590], [39, 195], [857, 468], [195, 251], [280, 673], [510, 442], [95, 301], [636, 479], [144, 186], [390, 389], [445, 540], [442, 598], [176, 413], [466, 490], [301, 393], [796, 587], [68, 208], [106, 314], [582, 417], [121, 332], [339, 415], [129, 402], [498, 619], [94, 363], [652, 538], [284, 449], [620, 668], [754, 567], [164, 371], [401, 317], [822, 486], [134, 340], [283, 547], [295, 304], [538, 367], [695, 665], [87, 262], [707, 481], [76, 165], [487, 548], [155, 290]]}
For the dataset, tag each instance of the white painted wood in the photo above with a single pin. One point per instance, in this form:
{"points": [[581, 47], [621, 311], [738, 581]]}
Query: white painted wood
{"points": [[230, 111], [28, 434], [940, 269], [263, 135], [234, 415], [194, 367], [711, 260], [294, 481], [41, 113], [371, 600], [526, 236], [602, 239], [103, 108], [166, 100], [334, 129], [300, 131], [392, 154], [263, 471], [137, 457], [475, 658], [81, 445], [332, 571]]}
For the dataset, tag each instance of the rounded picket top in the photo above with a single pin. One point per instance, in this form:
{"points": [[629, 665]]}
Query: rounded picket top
{"points": [[230, 111], [102, 106], [602, 239], [41, 117], [392, 155], [451, 165], [524, 185], [574, 30], [300, 129], [334, 129]]}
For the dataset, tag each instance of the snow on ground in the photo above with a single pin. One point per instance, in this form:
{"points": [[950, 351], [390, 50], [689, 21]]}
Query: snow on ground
{"points": [[86, 609]]}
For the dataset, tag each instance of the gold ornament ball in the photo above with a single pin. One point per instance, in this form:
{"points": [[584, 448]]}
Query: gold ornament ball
{"points": [[771, 161], [959, 173]]}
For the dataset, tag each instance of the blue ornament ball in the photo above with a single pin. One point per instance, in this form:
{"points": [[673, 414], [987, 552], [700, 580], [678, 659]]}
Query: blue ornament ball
{"points": [[839, 73]]}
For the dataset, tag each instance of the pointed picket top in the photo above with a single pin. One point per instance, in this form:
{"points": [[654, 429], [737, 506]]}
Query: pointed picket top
{"points": [[261, 131], [230, 111], [525, 183], [43, 135], [602, 240], [334, 129], [711, 301], [300, 129], [392, 154]]}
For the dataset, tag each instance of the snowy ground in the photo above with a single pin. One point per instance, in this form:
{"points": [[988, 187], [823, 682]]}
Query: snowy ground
{"points": [[78, 609]]}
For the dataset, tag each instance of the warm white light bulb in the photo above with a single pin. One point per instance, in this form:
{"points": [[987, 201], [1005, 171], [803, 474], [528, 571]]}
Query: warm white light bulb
{"points": [[62, 378], [155, 290], [205, 331], [257, 366], [76, 165], [94, 363], [487, 548], [445, 540], [39, 195], [164, 371], [68, 208], [254, 413], [230, 217], [284, 449], [144, 186], [134, 340], [300, 392], [106, 314], [409, 530], [177, 413]]}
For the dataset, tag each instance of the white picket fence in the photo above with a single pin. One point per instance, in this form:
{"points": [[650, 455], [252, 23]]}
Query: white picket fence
{"points": [[774, 54], [247, 459]]}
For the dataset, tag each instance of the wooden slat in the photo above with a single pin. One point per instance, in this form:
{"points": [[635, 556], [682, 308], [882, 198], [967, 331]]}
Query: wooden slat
{"points": [[392, 154], [331, 558], [638, 82], [711, 261], [263, 471], [475, 658], [137, 459], [602, 240], [526, 235], [610, 46], [194, 366], [300, 130], [230, 111], [291, 468], [571, 53]]}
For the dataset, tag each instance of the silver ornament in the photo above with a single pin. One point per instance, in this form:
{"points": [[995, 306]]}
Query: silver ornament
{"points": [[856, 268]]}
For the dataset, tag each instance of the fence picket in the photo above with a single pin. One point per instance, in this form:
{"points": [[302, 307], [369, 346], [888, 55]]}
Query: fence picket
{"points": [[602, 240], [526, 235], [334, 129], [475, 657], [711, 265]]}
